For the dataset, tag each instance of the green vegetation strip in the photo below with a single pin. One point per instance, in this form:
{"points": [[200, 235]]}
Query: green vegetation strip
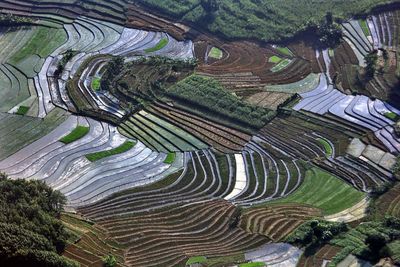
{"points": [[215, 53], [126, 146], [327, 147], [252, 264], [22, 110], [364, 27], [274, 59], [170, 158], [391, 115], [285, 51], [325, 191], [77, 133], [160, 45], [96, 82], [198, 259]]}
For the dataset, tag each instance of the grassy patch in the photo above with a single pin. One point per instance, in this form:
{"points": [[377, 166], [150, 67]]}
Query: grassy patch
{"points": [[198, 259], [22, 110], [325, 191], [364, 27], [96, 82], [275, 59], [170, 158], [126, 146], [77, 133], [252, 264], [283, 64], [331, 52], [391, 115], [327, 147], [160, 45], [215, 53], [284, 51]]}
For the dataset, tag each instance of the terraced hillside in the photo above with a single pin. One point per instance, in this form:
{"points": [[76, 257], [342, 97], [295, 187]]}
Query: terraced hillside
{"points": [[173, 145]]}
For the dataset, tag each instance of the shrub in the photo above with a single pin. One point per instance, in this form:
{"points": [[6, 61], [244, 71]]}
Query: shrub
{"points": [[109, 261], [22, 110]]}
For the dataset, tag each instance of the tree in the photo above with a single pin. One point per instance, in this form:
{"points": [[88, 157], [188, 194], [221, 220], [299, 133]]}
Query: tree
{"points": [[210, 6], [375, 242], [329, 32], [30, 232], [370, 60]]}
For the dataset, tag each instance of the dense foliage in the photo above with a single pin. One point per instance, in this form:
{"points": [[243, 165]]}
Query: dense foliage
{"points": [[270, 20], [316, 232], [329, 33], [209, 96], [30, 232]]}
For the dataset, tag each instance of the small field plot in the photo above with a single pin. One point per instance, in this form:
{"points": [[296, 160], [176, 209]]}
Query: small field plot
{"points": [[364, 27], [284, 51], [126, 146], [307, 84], [393, 116], [389, 203], [275, 59], [13, 87], [325, 191], [197, 259], [215, 53], [88, 243], [159, 134], [327, 147], [96, 84], [281, 65], [19, 131], [76, 134]]}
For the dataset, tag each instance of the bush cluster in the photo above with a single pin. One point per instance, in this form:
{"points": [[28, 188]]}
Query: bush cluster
{"points": [[316, 232]]}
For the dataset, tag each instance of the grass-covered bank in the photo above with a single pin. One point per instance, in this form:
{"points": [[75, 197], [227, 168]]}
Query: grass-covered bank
{"points": [[325, 191]]}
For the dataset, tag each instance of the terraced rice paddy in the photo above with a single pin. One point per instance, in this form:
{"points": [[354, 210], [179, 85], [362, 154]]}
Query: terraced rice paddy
{"points": [[217, 176]]}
